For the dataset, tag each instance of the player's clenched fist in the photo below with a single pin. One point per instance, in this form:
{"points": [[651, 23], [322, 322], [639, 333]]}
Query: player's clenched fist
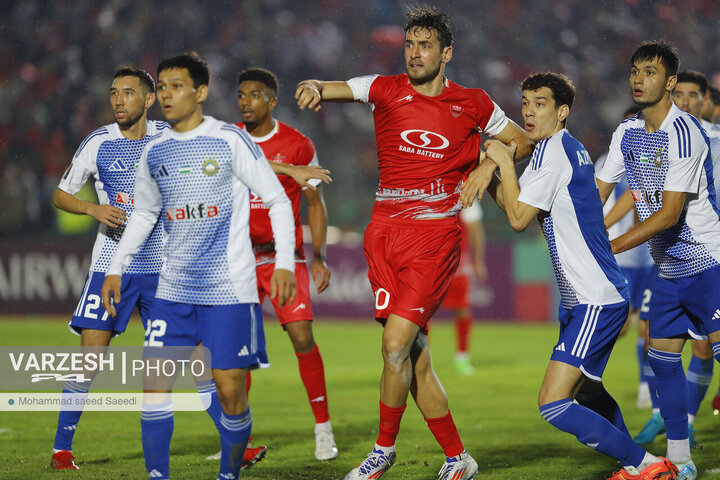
{"points": [[111, 293], [308, 95], [282, 286]]}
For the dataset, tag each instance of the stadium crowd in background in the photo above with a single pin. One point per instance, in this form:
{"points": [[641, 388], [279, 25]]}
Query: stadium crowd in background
{"points": [[55, 72]]}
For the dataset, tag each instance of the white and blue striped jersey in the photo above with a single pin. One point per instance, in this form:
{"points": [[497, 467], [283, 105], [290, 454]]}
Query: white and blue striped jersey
{"points": [[674, 158], [199, 182], [112, 160], [639, 256], [560, 181]]}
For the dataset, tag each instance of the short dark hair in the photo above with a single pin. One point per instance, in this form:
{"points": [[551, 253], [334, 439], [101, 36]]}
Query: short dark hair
{"points": [[714, 94], [427, 17], [145, 78], [266, 77], [692, 76], [197, 68], [561, 86], [663, 51]]}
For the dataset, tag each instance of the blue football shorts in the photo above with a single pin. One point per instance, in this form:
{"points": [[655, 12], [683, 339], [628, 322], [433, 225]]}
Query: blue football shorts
{"points": [[587, 336], [137, 290], [638, 279], [686, 306], [234, 334], [647, 294]]}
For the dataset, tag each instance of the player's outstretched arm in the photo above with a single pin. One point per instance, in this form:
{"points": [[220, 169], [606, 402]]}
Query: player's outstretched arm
{"points": [[519, 214], [282, 286], [621, 208], [317, 220], [309, 93], [110, 292], [512, 134], [107, 214], [666, 217], [302, 174]]}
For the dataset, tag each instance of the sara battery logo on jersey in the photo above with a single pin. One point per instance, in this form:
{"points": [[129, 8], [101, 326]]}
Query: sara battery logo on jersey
{"points": [[423, 143], [189, 212]]}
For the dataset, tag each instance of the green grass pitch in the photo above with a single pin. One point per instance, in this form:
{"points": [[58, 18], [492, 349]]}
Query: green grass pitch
{"points": [[495, 410]]}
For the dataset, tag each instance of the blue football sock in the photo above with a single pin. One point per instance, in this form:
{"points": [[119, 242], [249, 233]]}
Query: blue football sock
{"points": [[716, 350], [699, 376], [234, 434], [209, 397], [602, 403], [640, 353], [68, 419], [649, 377], [672, 392], [593, 430], [157, 422]]}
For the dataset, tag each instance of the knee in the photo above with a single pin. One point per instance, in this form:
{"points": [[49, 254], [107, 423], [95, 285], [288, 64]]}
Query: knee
{"points": [[395, 353], [303, 342]]}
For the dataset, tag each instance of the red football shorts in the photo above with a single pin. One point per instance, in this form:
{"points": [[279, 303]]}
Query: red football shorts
{"points": [[301, 308], [458, 295], [410, 266]]}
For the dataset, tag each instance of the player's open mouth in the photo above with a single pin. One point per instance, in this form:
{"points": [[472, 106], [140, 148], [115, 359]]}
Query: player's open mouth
{"points": [[637, 92], [120, 113], [529, 126]]}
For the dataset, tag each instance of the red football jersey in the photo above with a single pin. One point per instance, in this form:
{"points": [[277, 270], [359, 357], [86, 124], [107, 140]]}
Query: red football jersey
{"points": [[426, 145], [286, 145]]}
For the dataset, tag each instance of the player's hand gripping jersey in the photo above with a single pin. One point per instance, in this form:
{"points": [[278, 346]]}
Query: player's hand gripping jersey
{"points": [[112, 160], [283, 144], [674, 158], [426, 145], [199, 181]]}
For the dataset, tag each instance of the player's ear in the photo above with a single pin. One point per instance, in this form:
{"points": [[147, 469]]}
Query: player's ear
{"points": [[447, 54], [562, 113], [671, 82], [149, 100], [272, 103], [201, 91]]}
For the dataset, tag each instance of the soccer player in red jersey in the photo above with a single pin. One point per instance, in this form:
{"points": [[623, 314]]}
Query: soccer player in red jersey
{"points": [[428, 140], [287, 150]]}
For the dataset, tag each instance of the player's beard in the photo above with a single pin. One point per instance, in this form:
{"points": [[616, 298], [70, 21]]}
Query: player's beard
{"points": [[428, 77], [129, 120], [649, 103]]}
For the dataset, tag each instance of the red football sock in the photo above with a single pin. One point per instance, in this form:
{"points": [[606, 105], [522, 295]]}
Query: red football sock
{"points": [[312, 374], [446, 434], [462, 333], [389, 424]]}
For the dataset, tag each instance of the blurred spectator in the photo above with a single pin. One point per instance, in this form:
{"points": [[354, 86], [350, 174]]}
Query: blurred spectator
{"points": [[56, 55]]}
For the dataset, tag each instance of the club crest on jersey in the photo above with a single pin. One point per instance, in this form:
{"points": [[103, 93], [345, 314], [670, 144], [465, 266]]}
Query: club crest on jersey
{"points": [[210, 167], [191, 212], [658, 158], [123, 197], [456, 110]]}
